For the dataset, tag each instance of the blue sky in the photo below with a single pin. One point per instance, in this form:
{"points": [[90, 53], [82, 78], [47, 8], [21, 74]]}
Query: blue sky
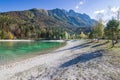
{"points": [[90, 7]]}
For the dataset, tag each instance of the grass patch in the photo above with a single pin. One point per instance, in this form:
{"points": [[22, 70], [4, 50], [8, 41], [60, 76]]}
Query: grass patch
{"points": [[113, 53]]}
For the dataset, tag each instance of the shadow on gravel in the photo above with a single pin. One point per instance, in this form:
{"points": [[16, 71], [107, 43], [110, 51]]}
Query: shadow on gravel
{"points": [[77, 47], [83, 58], [100, 44]]}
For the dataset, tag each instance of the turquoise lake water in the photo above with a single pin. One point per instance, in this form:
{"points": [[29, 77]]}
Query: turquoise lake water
{"points": [[12, 50]]}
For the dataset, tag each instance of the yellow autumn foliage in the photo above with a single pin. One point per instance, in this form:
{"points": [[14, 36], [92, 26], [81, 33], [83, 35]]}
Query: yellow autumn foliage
{"points": [[83, 36], [10, 35]]}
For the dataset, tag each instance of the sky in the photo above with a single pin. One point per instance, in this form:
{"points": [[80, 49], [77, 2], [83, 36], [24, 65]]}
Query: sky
{"points": [[90, 7]]}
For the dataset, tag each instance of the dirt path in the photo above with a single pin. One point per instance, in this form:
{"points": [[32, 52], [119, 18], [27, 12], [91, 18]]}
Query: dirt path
{"points": [[78, 60]]}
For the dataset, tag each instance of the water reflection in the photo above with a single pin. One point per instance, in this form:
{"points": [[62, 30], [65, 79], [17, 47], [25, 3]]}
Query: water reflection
{"points": [[13, 50]]}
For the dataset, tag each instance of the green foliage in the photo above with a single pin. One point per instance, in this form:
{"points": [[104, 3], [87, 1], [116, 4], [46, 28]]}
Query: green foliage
{"points": [[46, 24], [5, 23], [112, 31], [91, 35], [97, 31]]}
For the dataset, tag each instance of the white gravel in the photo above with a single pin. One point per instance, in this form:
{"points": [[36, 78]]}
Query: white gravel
{"points": [[75, 61]]}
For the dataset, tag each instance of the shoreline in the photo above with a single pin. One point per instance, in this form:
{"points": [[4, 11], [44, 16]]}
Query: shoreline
{"points": [[33, 54], [79, 59], [24, 40], [53, 40], [9, 70]]}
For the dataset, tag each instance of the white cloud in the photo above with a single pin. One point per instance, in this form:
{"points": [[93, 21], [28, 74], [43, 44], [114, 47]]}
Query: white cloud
{"points": [[99, 11], [81, 2], [114, 9], [77, 7], [107, 13]]}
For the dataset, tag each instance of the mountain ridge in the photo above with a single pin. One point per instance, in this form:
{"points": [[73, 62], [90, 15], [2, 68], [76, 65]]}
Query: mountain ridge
{"points": [[69, 20]]}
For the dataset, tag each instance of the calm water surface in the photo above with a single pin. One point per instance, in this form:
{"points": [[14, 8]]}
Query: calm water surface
{"points": [[10, 51]]}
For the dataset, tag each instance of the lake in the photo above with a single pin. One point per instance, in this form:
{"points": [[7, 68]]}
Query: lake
{"points": [[12, 51]]}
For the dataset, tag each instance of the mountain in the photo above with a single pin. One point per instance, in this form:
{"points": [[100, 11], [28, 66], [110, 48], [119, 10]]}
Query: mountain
{"points": [[68, 20], [72, 18]]}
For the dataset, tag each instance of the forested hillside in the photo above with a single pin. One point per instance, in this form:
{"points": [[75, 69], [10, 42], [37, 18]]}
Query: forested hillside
{"points": [[46, 24]]}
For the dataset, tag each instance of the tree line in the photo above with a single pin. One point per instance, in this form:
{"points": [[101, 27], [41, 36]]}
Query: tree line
{"points": [[13, 28], [19, 29], [111, 31]]}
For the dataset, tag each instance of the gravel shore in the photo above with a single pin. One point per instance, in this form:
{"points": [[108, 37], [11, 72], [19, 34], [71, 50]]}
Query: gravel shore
{"points": [[78, 60]]}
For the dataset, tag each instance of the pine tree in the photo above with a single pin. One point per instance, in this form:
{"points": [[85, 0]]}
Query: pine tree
{"points": [[112, 30]]}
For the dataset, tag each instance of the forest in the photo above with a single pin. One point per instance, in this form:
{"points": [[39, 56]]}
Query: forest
{"points": [[13, 28]]}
